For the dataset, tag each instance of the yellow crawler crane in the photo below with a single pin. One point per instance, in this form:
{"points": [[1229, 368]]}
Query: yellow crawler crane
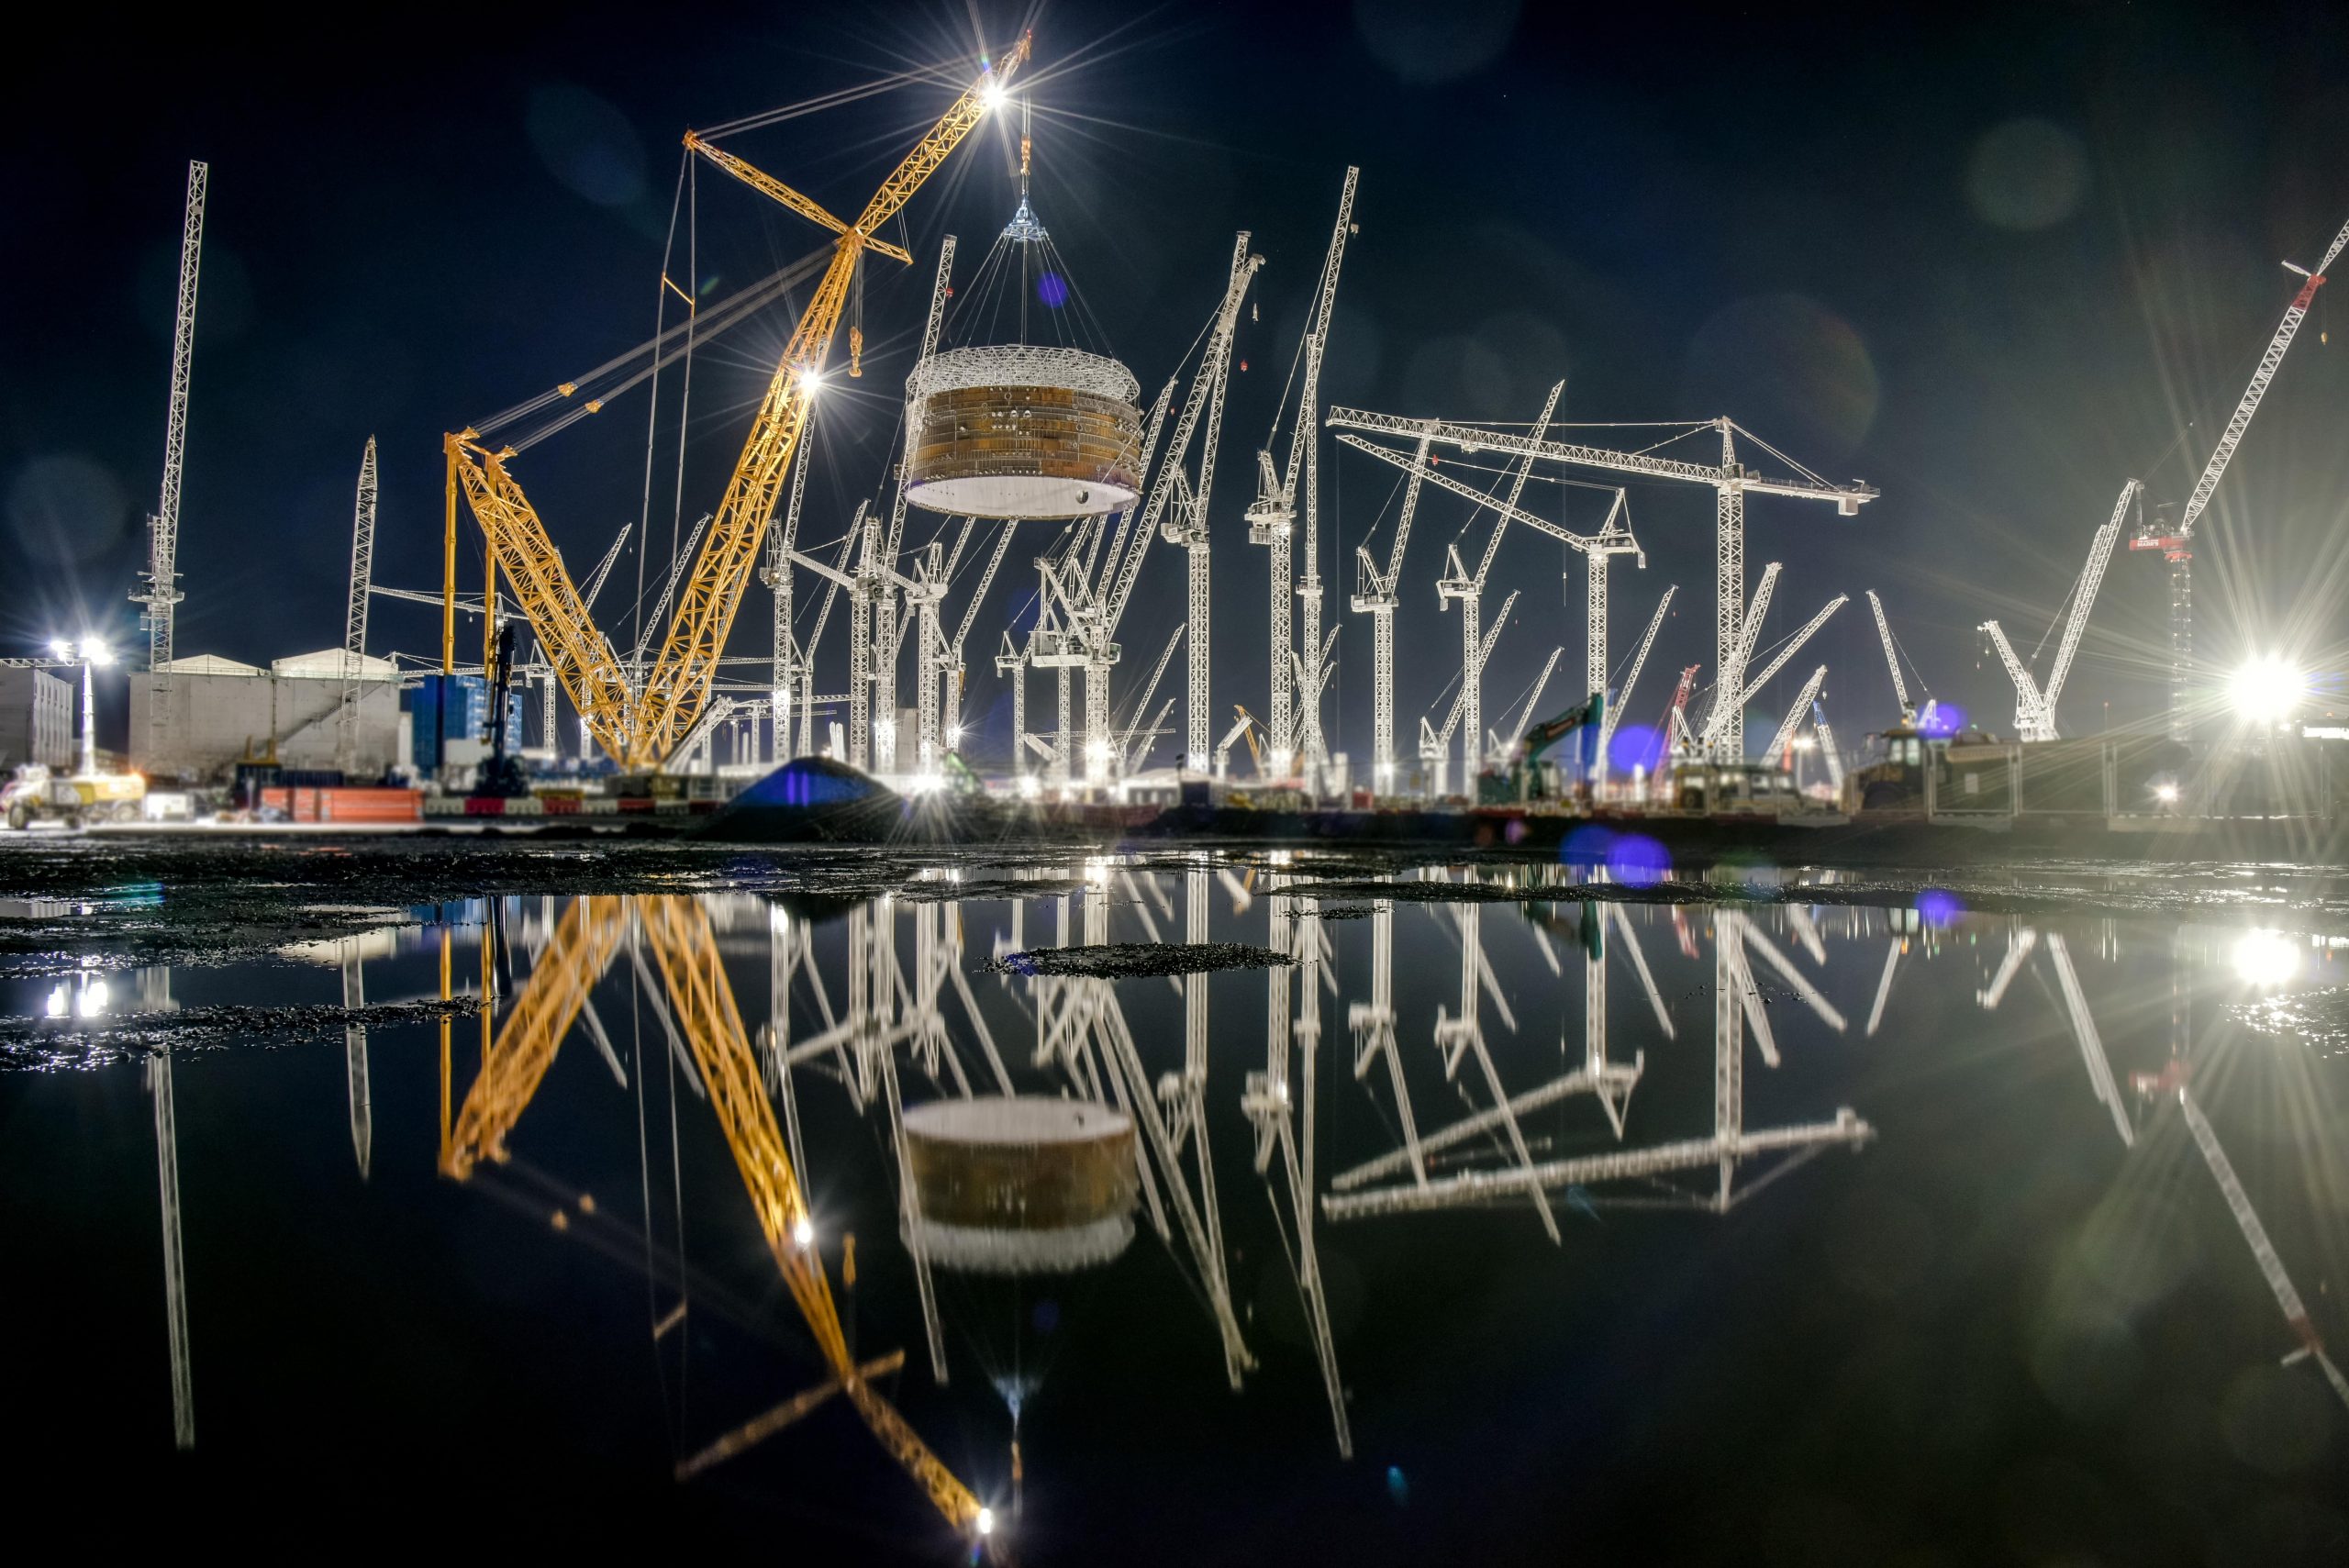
{"points": [[684, 948], [640, 727]]}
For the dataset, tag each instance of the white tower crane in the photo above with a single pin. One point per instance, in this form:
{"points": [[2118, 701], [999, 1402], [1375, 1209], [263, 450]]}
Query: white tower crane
{"points": [[1797, 711], [885, 631], [1188, 525], [1611, 539], [2176, 546], [354, 624], [1727, 711], [1892, 661], [1375, 596], [1435, 745], [2035, 707], [1731, 484], [162, 591], [1271, 517], [1469, 594]]}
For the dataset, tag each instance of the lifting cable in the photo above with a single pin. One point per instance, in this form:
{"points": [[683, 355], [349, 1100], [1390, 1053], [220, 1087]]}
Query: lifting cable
{"points": [[685, 397]]}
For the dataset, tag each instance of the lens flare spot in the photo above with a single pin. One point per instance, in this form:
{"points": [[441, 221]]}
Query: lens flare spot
{"points": [[1636, 860], [2025, 174], [1945, 720], [1052, 289], [1635, 746], [1939, 908]]}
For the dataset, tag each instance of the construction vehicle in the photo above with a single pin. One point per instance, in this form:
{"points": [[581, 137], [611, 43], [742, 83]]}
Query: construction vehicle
{"points": [[36, 794], [1529, 778], [500, 776], [1893, 776]]}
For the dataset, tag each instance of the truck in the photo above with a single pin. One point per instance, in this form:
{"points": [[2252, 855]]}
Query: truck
{"points": [[36, 794]]}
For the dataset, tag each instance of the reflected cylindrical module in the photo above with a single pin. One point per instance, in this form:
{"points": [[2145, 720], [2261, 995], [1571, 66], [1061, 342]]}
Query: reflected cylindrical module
{"points": [[1016, 430], [1021, 1183]]}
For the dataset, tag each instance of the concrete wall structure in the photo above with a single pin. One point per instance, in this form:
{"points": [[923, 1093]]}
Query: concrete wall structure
{"points": [[210, 720], [36, 719]]}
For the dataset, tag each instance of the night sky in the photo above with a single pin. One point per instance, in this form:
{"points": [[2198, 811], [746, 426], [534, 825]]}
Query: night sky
{"points": [[1993, 261]]}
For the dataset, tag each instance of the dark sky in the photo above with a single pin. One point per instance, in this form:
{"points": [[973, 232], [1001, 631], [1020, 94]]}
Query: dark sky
{"points": [[1992, 260]]}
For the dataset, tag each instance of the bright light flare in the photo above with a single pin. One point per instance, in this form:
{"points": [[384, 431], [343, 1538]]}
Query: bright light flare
{"points": [[2266, 689], [2266, 958], [986, 1521], [811, 380], [993, 93], [804, 1233], [97, 653], [2166, 793]]}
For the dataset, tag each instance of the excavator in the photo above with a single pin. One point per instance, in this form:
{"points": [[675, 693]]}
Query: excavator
{"points": [[1528, 778]]}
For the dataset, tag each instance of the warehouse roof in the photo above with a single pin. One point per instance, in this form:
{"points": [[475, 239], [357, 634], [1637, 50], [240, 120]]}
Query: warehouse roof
{"points": [[209, 664], [327, 664]]}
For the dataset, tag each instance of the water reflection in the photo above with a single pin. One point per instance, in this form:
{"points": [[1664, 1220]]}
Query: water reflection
{"points": [[1461, 998]]}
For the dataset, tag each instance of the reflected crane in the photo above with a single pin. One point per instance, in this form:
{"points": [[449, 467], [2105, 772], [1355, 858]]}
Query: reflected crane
{"points": [[1275, 1111], [1729, 1145], [675, 932], [2262, 1251]]}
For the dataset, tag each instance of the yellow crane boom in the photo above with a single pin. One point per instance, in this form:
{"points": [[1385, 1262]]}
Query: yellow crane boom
{"points": [[684, 949], [640, 727]]}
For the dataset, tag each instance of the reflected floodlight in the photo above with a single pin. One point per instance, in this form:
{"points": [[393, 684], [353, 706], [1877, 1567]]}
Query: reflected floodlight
{"points": [[2266, 958]]}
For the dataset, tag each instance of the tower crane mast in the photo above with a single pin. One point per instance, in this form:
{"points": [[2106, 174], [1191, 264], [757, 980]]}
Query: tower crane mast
{"points": [[1375, 596], [1469, 593], [354, 624], [163, 559], [1190, 528], [640, 726], [1271, 516]]}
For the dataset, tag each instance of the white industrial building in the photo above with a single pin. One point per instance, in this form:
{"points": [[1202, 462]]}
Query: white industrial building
{"points": [[196, 718], [36, 719]]}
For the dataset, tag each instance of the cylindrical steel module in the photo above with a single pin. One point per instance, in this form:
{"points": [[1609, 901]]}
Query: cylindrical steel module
{"points": [[1018, 430], [1020, 1184]]}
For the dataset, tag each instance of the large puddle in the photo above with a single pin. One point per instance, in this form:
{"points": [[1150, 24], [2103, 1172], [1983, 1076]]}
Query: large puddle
{"points": [[1523, 1213]]}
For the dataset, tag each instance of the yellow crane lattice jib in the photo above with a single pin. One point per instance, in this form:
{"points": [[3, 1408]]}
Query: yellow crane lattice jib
{"points": [[677, 686], [684, 949], [582, 661], [583, 945], [808, 207], [931, 150]]}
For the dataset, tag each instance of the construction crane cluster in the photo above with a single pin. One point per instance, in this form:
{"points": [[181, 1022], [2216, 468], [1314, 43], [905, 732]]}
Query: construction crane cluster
{"points": [[660, 703]]}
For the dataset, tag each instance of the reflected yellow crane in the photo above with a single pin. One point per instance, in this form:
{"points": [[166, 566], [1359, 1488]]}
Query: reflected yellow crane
{"points": [[684, 948], [639, 727]]}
